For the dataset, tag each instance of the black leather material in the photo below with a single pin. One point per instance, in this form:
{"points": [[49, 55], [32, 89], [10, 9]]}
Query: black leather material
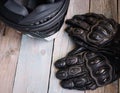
{"points": [[96, 60], [94, 29], [83, 69], [34, 17]]}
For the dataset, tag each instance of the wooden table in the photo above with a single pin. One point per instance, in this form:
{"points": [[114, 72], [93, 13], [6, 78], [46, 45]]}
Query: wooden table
{"points": [[27, 65]]}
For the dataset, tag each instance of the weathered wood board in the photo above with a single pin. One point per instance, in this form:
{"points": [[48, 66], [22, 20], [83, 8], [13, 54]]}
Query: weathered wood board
{"points": [[9, 52], [63, 44], [33, 68]]}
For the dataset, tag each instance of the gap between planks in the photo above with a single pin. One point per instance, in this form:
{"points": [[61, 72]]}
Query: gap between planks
{"points": [[63, 44]]}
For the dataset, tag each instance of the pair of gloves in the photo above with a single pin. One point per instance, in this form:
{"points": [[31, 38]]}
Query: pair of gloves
{"points": [[95, 62]]}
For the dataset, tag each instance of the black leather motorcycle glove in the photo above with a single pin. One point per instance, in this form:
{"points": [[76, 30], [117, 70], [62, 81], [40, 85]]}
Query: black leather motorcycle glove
{"points": [[82, 69], [92, 30], [96, 62]]}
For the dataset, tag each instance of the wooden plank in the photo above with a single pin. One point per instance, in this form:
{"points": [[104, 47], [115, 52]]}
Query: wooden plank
{"points": [[63, 45], [33, 66], [119, 23], [109, 9], [9, 51], [106, 7], [2, 30]]}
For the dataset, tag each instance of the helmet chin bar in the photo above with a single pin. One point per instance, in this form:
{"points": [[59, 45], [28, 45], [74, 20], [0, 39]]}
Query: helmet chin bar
{"points": [[33, 17]]}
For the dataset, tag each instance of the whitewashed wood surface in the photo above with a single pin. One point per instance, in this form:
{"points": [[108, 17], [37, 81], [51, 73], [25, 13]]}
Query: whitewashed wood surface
{"points": [[27, 65]]}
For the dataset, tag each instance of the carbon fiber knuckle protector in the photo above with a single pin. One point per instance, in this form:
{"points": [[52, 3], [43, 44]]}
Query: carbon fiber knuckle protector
{"points": [[36, 18], [96, 60]]}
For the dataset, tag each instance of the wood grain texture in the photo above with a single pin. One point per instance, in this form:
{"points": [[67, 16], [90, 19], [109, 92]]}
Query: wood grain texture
{"points": [[99, 90], [106, 7], [9, 52], [119, 23], [109, 9], [118, 11], [63, 44], [33, 66]]}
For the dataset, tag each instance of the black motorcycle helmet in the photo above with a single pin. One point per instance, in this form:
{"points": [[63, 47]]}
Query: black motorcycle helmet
{"points": [[38, 18]]}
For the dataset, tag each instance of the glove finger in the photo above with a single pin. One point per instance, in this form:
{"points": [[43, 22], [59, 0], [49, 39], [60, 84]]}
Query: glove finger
{"points": [[81, 83], [90, 18], [104, 76], [94, 15], [78, 23], [76, 32], [76, 51], [71, 72], [67, 61]]}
